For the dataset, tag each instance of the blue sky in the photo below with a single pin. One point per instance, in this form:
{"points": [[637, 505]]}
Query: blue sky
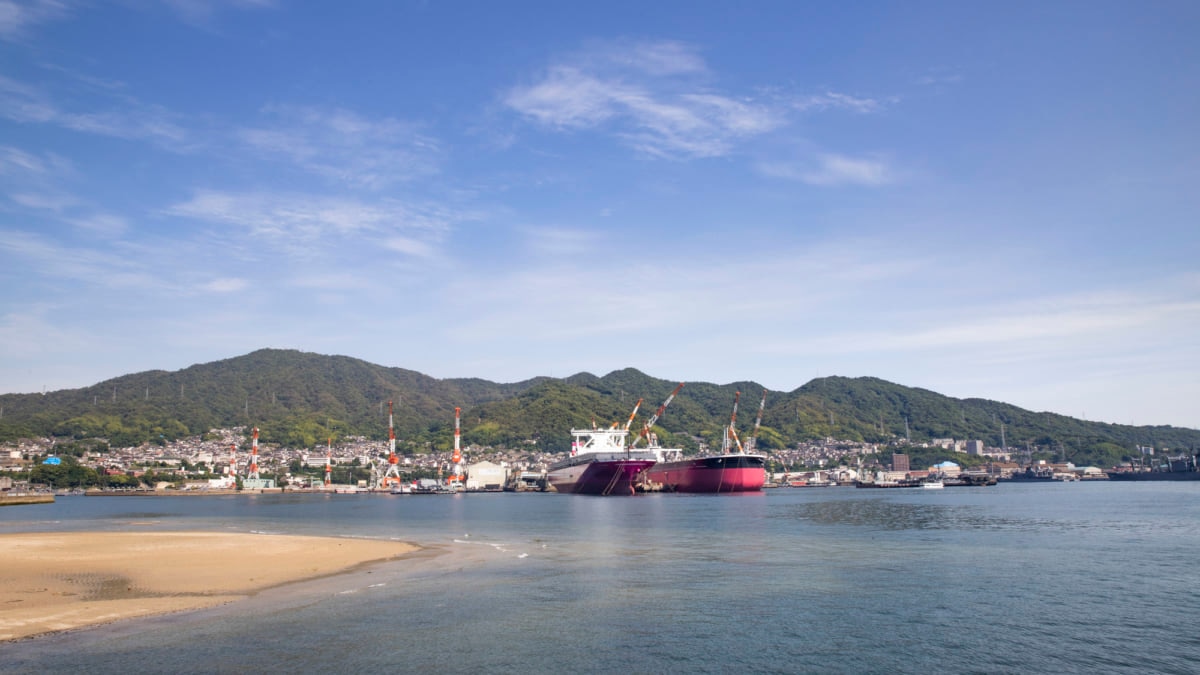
{"points": [[985, 199]]}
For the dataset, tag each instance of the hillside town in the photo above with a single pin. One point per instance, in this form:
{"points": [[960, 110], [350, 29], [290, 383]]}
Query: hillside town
{"points": [[220, 459]]}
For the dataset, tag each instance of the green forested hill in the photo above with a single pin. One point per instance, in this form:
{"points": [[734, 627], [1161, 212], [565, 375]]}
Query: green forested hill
{"points": [[300, 398]]}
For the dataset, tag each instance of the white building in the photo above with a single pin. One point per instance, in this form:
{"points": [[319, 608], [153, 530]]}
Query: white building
{"points": [[485, 476], [974, 447]]}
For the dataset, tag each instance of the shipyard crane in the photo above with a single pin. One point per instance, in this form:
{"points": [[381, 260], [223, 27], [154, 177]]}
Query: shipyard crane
{"points": [[252, 470], [645, 433], [633, 414], [392, 475], [456, 471], [730, 436], [329, 463], [757, 422]]}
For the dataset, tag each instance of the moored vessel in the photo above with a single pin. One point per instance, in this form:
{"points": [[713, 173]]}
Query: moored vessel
{"points": [[1183, 467], [731, 471], [599, 464]]}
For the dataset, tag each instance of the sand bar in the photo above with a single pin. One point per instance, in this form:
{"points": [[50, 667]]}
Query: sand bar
{"points": [[61, 581]]}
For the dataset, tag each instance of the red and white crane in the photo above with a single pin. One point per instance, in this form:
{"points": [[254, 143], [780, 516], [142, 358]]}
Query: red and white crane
{"points": [[252, 471], [329, 463], [730, 437], [646, 433], [629, 422], [392, 475], [456, 471], [757, 422]]}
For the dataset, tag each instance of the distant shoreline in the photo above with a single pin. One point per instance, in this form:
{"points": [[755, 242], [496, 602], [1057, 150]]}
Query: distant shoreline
{"points": [[52, 582], [18, 500]]}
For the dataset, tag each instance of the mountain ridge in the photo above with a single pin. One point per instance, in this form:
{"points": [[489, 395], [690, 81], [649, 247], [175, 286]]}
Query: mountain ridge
{"points": [[300, 398]]}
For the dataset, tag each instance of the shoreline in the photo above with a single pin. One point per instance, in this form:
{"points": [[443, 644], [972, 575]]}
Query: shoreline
{"points": [[55, 582]]}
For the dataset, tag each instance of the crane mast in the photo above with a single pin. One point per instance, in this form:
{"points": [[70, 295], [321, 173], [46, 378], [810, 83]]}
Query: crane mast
{"points": [[633, 414], [731, 430], [456, 472], [252, 470], [757, 422], [329, 463], [392, 475]]}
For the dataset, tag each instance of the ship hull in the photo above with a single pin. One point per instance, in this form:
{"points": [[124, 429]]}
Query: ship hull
{"points": [[1154, 475], [598, 476], [721, 473]]}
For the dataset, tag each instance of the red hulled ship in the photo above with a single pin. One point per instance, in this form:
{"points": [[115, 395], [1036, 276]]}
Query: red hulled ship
{"points": [[730, 471]]}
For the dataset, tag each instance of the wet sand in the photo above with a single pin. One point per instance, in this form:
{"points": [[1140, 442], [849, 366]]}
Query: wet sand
{"points": [[61, 581]]}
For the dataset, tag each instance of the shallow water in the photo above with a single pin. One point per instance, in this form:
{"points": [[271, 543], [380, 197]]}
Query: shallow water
{"points": [[1084, 577]]}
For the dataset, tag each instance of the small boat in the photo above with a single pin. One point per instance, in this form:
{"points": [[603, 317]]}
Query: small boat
{"points": [[932, 484]]}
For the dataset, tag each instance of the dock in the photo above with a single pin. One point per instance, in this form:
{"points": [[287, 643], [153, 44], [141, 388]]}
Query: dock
{"points": [[18, 500]]}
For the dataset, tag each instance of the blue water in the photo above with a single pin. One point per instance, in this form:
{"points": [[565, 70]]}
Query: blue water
{"points": [[1085, 577]]}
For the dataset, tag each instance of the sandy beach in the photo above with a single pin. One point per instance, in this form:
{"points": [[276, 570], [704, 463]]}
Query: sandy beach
{"points": [[61, 581]]}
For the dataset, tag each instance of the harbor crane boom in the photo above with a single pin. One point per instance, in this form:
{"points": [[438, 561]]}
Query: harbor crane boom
{"points": [[657, 414], [633, 414], [757, 422], [730, 431]]}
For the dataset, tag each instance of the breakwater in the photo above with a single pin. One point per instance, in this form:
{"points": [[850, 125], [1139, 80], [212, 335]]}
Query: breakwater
{"points": [[17, 500]]}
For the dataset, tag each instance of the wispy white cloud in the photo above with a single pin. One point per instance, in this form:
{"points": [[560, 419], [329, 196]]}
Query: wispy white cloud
{"points": [[31, 332], [1034, 326], [409, 246], [345, 146], [329, 281], [939, 77], [17, 18], [19, 163], [104, 224], [201, 12], [225, 285], [646, 94], [44, 201], [835, 100], [658, 58], [709, 297], [126, 117], [96, 267], [832, 170], [299, 223], [559, 242]]}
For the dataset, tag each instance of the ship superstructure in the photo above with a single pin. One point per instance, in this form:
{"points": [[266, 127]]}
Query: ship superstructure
{"points": [[600, 463]]}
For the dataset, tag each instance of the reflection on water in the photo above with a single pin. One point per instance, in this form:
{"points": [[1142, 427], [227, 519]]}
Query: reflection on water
{"points": [[1038, 578], [887, 515]]}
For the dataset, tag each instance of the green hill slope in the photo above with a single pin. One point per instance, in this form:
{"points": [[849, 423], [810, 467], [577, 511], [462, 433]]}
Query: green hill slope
{"points": [[300, 398]]}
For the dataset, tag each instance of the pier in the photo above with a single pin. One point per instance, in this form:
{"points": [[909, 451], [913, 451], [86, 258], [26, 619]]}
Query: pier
{"points": [[17, 500]]}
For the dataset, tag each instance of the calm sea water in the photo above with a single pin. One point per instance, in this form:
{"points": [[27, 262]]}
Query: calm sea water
{"points": [[1084, 577]]}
